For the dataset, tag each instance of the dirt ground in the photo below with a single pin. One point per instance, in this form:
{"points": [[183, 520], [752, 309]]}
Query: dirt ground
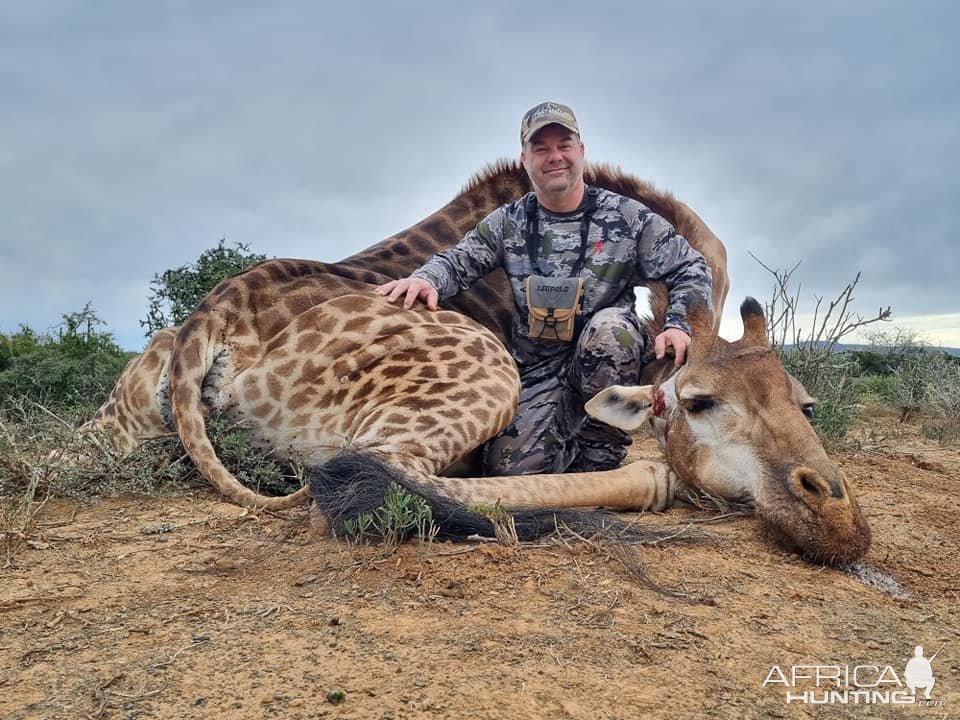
{"points": [[187, 607]]}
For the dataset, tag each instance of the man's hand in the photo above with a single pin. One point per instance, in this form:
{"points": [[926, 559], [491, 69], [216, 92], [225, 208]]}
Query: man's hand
{"points": [[675, 338], [411, 289]]}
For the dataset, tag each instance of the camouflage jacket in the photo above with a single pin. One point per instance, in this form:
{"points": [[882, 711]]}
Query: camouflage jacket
{"points": [[627, 245]]}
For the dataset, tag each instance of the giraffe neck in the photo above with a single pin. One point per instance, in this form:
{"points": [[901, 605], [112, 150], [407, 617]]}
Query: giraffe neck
{"points": [[490, 301]]}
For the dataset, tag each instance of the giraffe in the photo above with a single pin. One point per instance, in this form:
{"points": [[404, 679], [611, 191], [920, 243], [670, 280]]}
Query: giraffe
{"points": [[312, 362]]}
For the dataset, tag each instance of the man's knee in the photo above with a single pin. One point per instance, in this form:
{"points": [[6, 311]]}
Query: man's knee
{"points": [[613, 331], [610, 351]]}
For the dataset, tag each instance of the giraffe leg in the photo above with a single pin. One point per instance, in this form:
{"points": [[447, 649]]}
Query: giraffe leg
{"points": [[132, 412], [640, 485]]}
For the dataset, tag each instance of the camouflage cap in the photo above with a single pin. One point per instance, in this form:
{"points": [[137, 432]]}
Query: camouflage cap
{"points": [[547, 113]]}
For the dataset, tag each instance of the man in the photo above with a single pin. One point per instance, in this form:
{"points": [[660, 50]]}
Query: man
{"points": [[566, 247]]}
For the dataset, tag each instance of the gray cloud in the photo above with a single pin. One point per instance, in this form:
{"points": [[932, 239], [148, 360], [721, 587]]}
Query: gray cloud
{"points": [[135, 135]]}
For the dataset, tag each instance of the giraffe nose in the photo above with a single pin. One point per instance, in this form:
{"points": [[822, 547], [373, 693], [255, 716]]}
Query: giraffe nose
{"points": [[811, 487]]}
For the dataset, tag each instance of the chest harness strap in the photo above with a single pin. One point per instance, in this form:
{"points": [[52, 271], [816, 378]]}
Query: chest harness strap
{"points": [[532, 234]]}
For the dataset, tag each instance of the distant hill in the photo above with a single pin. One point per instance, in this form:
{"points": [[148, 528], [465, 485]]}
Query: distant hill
{"points": [[853, 347]]}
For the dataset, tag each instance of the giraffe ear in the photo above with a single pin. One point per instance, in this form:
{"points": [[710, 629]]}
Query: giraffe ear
{"points": [[754, 323], [623, 407]]}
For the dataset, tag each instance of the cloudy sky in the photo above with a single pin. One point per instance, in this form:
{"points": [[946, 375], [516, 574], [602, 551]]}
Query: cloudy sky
{"points": [[133, 135]]}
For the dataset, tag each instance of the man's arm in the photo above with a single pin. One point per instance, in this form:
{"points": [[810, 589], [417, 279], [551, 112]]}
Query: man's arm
{"points": [[666, 256]]}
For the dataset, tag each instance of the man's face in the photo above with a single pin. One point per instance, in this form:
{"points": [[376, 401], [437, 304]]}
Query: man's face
{"points": [[554, 160]]}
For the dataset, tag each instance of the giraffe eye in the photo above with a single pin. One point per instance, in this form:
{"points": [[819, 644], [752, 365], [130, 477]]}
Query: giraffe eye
{"points": [[696, 405], [807, 409]]}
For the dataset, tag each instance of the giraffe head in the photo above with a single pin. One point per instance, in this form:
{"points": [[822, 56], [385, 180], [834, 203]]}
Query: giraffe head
{"points": [[733, 423]]}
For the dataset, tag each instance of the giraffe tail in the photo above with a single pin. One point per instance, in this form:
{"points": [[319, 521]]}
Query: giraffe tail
{"points": [[354, 483], [193, 356]]}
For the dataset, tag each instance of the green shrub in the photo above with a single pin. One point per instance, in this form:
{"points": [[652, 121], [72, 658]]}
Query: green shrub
{"points": [[877, 388], [176, 292], [830, 378], [74, 368]]}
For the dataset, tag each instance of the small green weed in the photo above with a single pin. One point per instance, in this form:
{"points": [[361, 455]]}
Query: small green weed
{"points": [[401, 515], [504, 527]]}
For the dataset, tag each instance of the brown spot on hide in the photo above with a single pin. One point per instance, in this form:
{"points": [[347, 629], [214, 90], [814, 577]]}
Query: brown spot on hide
{"points": [[362, 303], [420, 404], [356, 324], [285, 370], [308, 343], [438, 228], [190, 356], [468, 395], [312, 372], [419, 356], [440, 388], [366, 390], [428, 372], [275, 385], [262, 410], [396, 371], [476, 376], [150, 361], [443, 341], [241, 328], [475, 349], [423, 246], [327, 324], [302, 398], [342, 346], [251, 391], [446, 355]]}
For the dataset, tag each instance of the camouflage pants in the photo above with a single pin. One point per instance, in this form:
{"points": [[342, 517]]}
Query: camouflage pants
{"points": [[550, 432]]}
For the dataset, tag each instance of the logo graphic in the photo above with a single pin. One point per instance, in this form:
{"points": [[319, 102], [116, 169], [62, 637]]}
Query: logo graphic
{"points": [[546, 109], [866, 684], [919, 672]]}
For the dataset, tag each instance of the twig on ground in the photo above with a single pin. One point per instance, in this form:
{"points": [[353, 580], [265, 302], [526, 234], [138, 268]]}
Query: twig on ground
{"points": [[168, 663]]}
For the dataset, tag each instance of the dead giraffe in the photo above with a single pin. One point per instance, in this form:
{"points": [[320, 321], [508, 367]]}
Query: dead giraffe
{"points": [[312, 362]]}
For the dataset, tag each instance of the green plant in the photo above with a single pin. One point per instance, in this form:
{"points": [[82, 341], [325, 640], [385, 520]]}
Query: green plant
{"points": [[175, 293], [401, 515], [504, 527], [255, 467], [71, 369], [887, 350], [877, 388]]}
